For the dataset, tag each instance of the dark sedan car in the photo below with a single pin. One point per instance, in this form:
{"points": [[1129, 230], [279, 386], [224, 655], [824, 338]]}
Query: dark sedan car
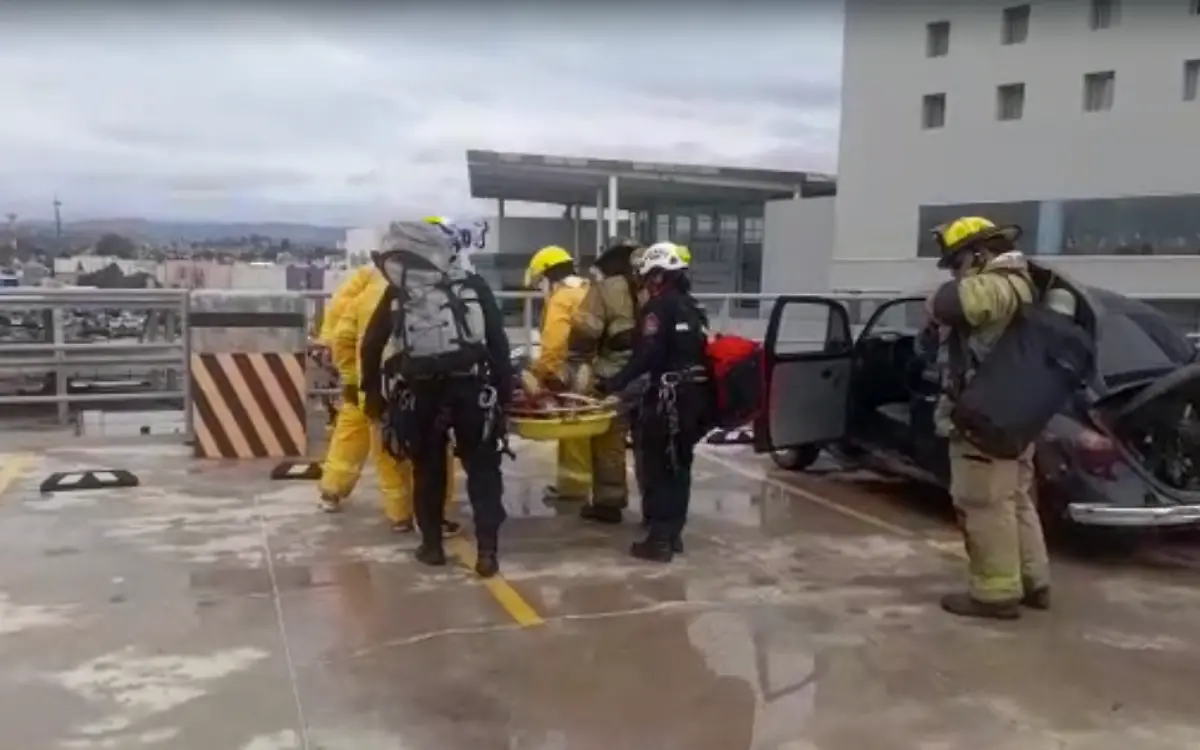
{"points": [[1125, 454]]}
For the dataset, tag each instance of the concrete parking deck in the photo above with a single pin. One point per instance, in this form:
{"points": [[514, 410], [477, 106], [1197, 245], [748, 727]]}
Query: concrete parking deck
{"points": [[212, 609]]}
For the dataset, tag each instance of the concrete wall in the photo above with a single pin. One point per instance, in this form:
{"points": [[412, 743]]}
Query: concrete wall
{"points": [[798, 246], [245, 276], [889, 165]]}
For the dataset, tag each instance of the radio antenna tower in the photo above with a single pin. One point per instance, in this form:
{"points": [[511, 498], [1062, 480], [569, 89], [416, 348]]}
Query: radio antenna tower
{"points": [[57, 219]]}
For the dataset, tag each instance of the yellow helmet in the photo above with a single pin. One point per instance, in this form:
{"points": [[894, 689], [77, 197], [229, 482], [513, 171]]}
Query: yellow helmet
{"points": [[544, 259], [684, 254], [967, 232]]}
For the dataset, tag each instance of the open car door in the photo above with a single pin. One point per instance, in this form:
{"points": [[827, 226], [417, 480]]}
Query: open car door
{"points": [[808, 355]]}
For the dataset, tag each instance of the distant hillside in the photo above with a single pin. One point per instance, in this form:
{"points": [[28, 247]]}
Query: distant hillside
{"points": [[183, 231]]}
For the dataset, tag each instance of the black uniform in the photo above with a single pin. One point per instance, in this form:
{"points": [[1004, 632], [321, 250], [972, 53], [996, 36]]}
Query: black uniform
{"points": [[673, 412], [472, 403]]}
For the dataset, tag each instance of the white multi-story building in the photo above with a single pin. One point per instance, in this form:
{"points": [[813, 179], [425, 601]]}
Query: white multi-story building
{"points": [[1077, 119]]}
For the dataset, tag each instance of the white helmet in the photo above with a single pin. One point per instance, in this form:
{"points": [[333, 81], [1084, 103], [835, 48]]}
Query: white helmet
{"points": [[662, 256]]}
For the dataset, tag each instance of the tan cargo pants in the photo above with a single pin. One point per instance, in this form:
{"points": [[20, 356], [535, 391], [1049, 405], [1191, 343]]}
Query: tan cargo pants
{"points": [[1006, 549], [610, 483]]}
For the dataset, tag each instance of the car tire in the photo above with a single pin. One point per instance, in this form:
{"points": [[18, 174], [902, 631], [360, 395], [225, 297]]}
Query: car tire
{"points": [[796, 459]]}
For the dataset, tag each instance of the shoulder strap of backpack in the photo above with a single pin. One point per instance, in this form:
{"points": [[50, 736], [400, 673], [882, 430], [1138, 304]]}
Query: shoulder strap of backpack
{"points": [[1008, 274]]}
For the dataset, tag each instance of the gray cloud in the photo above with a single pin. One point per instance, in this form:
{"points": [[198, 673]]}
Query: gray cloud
{"points": [[278, 113]]}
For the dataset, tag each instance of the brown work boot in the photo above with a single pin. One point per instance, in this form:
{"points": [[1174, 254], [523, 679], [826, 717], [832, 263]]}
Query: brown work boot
{"points": [[1036, 597], [551, 493], [965, 605], [601, 514]]}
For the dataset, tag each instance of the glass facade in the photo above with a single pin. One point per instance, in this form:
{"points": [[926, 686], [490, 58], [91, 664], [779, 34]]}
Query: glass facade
{"points": [[726, 242], [1140, 225]]}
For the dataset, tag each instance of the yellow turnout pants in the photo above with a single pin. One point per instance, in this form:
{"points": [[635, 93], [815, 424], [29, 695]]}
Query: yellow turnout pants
{"points": [[1006, 550], [355, 438]]}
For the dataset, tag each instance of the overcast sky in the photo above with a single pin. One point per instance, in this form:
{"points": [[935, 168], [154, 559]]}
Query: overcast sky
{"points": [[294, 114]]}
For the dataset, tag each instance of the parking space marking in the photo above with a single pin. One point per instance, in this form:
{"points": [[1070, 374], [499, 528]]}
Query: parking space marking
{"points": [[12, 466], [503, 592], [946, 547]]}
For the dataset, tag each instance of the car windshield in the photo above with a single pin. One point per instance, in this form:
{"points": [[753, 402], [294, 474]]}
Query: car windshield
{"points": [[1136, 342]]}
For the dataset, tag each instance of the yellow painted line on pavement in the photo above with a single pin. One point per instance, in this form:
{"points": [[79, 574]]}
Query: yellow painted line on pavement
{"points": [[503, 592], [12, 466], [948, 547]]}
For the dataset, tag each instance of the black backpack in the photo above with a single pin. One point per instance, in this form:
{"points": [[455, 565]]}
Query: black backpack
{"points": [[1037, 365]]}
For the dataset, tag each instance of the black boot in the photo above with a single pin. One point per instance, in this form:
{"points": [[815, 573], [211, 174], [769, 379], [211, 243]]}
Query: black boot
{"points": [[965, 605], [656, 547], [1036, 597], [431, 553], [487, 560], [677, 543], [601, 514]]}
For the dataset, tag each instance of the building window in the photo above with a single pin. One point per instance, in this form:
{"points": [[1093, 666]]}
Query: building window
{"points": [[662, 227], [1010, 101], [683, 228], [1098, 91], [933, 111], [1191, 79], [1130, 226], [704, 224], [937, 39], [754, 229], [1105, 14], [1016, 25], [729, 229]]}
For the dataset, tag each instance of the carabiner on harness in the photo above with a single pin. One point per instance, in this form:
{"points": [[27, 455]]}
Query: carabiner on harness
{"points": [[669, 408]]}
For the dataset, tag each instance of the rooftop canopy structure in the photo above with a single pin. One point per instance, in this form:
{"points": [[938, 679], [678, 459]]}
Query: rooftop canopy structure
{"points": [[633, 186]]}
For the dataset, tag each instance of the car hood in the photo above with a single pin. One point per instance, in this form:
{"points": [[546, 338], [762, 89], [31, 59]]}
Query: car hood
{"points": [[1185, 379]]}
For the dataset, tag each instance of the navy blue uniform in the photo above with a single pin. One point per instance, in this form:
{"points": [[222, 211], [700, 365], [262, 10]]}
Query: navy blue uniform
{"points": [[672, 412]]}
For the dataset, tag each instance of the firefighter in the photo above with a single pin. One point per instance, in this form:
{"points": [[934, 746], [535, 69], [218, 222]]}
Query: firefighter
{"points": [[1007, 561], [354, 436], [435, 360], [601, 342], [552, 271], [673, 409]]}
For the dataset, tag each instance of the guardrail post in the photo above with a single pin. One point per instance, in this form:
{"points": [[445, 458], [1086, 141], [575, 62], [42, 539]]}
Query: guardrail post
{"points": [[726, 314], [527, 319], [57, 321], [185, 332]]}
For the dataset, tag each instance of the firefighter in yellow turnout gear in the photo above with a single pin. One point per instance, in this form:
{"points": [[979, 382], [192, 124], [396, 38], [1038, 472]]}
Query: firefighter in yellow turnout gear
{"points": [[601, 341], [1008, 566], [552, 270], [354, 437]]}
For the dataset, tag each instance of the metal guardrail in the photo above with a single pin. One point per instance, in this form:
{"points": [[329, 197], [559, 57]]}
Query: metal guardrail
{"points": [[741, 313], [167, 359]]}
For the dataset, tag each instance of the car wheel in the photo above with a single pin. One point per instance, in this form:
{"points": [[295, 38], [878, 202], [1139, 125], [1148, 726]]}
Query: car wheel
{"points": [[796, 459]]}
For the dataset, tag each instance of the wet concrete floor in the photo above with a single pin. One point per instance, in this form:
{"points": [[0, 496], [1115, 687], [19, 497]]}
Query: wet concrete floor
{"points": [[211, 608]]}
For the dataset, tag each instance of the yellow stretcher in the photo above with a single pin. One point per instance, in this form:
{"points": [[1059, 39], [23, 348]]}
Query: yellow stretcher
{"points": [[585, 417]]}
